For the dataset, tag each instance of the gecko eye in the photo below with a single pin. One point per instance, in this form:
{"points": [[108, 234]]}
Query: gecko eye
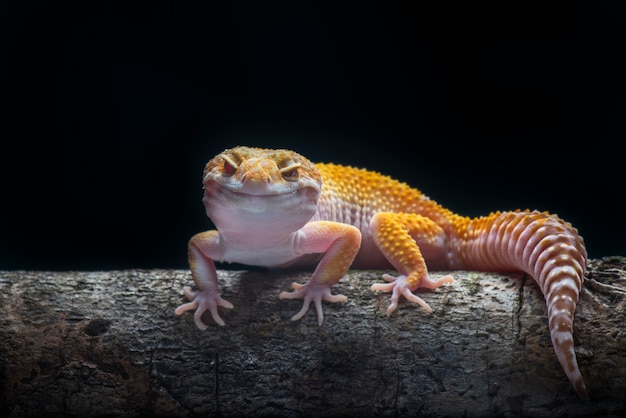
{"points": [[228, 169], [289, 169], [230, 165], [291, 174]]}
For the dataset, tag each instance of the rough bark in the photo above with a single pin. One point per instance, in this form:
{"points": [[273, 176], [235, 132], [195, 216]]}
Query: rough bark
{"points": [[108, 344]]}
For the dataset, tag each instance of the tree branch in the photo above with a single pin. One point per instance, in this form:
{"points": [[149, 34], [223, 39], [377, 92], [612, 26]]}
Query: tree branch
{"points": [[108, 343]]}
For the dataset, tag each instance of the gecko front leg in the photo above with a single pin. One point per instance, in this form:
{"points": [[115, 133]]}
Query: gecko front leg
{"points": [[340, 243], [203, 248]]}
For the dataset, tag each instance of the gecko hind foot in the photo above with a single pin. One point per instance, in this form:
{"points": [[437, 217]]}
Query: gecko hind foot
{"points": [[403, 286], [315, 293]]}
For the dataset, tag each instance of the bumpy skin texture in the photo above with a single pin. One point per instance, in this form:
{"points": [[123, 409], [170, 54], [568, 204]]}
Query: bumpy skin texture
{"points": [[276, 208]]}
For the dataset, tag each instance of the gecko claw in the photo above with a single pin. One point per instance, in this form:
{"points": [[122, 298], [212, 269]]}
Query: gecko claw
{"points": [[305, 309]]}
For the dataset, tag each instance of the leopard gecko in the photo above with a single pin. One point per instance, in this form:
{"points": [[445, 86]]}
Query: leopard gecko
{"points": [[275, 208]]}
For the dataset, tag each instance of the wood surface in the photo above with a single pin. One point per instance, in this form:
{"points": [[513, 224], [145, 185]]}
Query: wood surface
{"points": [[107, 343]]}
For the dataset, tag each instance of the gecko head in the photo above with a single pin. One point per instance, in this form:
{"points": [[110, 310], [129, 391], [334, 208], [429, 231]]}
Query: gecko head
{"points": [[256, 188]]}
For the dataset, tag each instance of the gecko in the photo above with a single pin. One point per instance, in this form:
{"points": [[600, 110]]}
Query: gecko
{"points": [[276, 208]]}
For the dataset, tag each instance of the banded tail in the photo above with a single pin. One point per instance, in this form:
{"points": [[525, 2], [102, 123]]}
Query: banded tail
{"points": [[552, 252]]}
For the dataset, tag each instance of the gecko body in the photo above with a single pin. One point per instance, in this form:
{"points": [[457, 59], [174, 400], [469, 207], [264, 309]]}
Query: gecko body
{"points": [[276, 208]]}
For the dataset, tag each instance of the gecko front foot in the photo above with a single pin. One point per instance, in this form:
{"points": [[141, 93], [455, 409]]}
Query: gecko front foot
{"points": [[311, 292], [202, 301], [405, 285]]}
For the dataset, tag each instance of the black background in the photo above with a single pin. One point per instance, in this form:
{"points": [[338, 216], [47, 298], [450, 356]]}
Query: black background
{"points": [[111, 109]]}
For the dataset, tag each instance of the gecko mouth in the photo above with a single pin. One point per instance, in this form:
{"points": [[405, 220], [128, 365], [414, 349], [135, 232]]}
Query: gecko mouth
{"points": [[215, 188], [217, 194]]}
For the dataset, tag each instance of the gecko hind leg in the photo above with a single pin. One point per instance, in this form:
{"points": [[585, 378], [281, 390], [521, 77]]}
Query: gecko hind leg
{"points": [[399, 236]]}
